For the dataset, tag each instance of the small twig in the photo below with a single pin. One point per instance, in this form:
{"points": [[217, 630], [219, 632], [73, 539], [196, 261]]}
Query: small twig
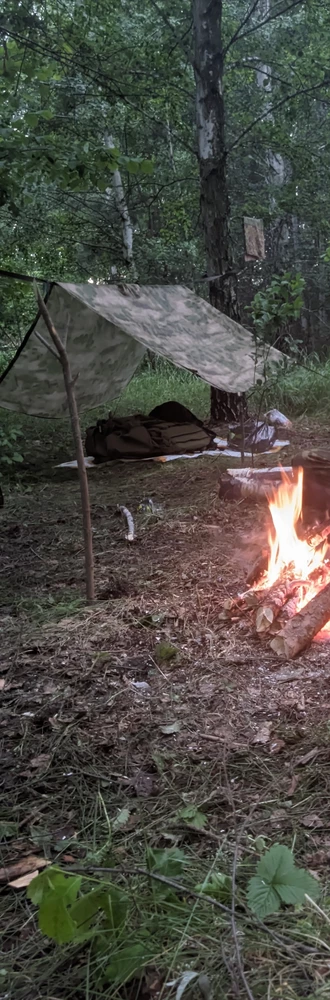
{"points": [[159, 878]]}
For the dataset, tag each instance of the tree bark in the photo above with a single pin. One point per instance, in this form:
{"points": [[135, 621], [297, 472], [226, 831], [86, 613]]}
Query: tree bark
{"points": [[76, 432], [214, 195], [122, 209]]}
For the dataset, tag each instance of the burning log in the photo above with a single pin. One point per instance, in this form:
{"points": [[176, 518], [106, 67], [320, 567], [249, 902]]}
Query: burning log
{"points": [[302, 629], [259, 567], [276, 597]]}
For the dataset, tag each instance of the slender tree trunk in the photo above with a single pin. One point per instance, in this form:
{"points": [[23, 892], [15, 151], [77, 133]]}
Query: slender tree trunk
{"points": [[214, 196], [76, 432]]}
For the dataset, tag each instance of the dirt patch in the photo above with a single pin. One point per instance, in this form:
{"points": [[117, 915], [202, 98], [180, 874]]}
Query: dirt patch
{"points": [[148, 700]]}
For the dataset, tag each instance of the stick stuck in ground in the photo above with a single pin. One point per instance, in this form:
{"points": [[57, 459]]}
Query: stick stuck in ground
{"points": [[130, 523]]}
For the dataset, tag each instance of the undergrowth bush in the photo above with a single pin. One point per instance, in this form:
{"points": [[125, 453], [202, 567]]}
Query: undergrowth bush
{"points": [[127, 930]]}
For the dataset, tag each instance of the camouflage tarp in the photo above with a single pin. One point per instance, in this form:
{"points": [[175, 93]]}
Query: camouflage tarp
{"points": [[107, 330]]}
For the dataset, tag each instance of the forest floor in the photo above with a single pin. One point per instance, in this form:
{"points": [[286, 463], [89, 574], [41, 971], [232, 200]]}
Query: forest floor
{"points": [[145, 722]]}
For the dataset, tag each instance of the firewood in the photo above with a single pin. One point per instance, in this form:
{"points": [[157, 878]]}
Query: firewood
{"points": [[242, 603], [259, 567], [318, 535], [271, 607], [302, 629]]}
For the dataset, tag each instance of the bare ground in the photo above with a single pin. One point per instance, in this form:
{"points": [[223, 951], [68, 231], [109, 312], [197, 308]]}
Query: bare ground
{"points": [[148, 699]]}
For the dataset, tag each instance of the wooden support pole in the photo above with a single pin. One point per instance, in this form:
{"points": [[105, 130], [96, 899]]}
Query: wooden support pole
{"points": [[76, 432]]}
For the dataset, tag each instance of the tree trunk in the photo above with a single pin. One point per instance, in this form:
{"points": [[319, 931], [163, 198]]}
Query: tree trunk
{"points": [[76, 433], [122, 209], [214, 196]]}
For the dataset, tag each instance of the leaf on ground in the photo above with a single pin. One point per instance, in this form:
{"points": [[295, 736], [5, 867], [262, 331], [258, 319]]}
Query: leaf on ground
{"points": [[54, 919], [22, 867], [168, 862], [312, 820], [41, 761], [299, 884], [218, 885], [172, 727], [2, 683], [293, 784], [165, 652], [275, 864], [262, 898], [8, 829], [115, 907], [127, 962], [181, 984], [277, 881], [121, 819], [276, 746], [24, 880], [143, 784], [308, 756], [193, 817], [263, 734]]}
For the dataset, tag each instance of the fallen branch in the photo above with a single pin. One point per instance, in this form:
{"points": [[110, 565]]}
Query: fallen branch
{"points": [[302, 629], [130, 523]]}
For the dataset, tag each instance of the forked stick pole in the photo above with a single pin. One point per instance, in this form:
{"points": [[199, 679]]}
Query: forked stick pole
{"points": [[76, 431]]}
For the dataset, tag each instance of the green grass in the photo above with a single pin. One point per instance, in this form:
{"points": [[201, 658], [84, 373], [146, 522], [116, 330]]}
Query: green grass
{"points": [[303, 390]]}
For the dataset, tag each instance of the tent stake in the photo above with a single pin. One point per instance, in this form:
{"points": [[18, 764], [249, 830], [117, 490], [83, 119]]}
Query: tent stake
{"points": [[76, 431]]}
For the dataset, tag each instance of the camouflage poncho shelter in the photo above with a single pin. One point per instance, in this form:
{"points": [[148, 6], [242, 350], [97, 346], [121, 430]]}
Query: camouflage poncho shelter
{"points": [[107, 329]]}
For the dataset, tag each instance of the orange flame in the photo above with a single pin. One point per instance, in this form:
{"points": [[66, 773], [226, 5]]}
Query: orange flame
{"points": [[286, 549]]}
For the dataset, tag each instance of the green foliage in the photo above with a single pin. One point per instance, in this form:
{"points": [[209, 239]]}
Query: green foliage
{"points": [[274, 307], [65, 916], [278, 881], [9, 454], [218, 885], [168, 862], [193, 817]]}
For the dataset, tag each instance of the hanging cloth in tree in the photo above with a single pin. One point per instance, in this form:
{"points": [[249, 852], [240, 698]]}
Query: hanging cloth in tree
{"points": [[254, 239]]}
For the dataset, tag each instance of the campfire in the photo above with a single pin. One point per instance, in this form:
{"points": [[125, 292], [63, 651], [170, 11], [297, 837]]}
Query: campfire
{"points": [[289, 595]]}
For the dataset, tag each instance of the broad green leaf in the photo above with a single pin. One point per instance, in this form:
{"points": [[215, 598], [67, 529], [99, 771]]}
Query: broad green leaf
{"points": [[218, 885], [84, 909], [47, 114], [262, 898], [127, 962], [53, 882], [192, 816], [31, 118], [54, 919], [121, 819], [73, 883], [115, 906], [147, 166], [275, 864], [294, 889], [8, 829], [279, 880], [168, 862]]}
